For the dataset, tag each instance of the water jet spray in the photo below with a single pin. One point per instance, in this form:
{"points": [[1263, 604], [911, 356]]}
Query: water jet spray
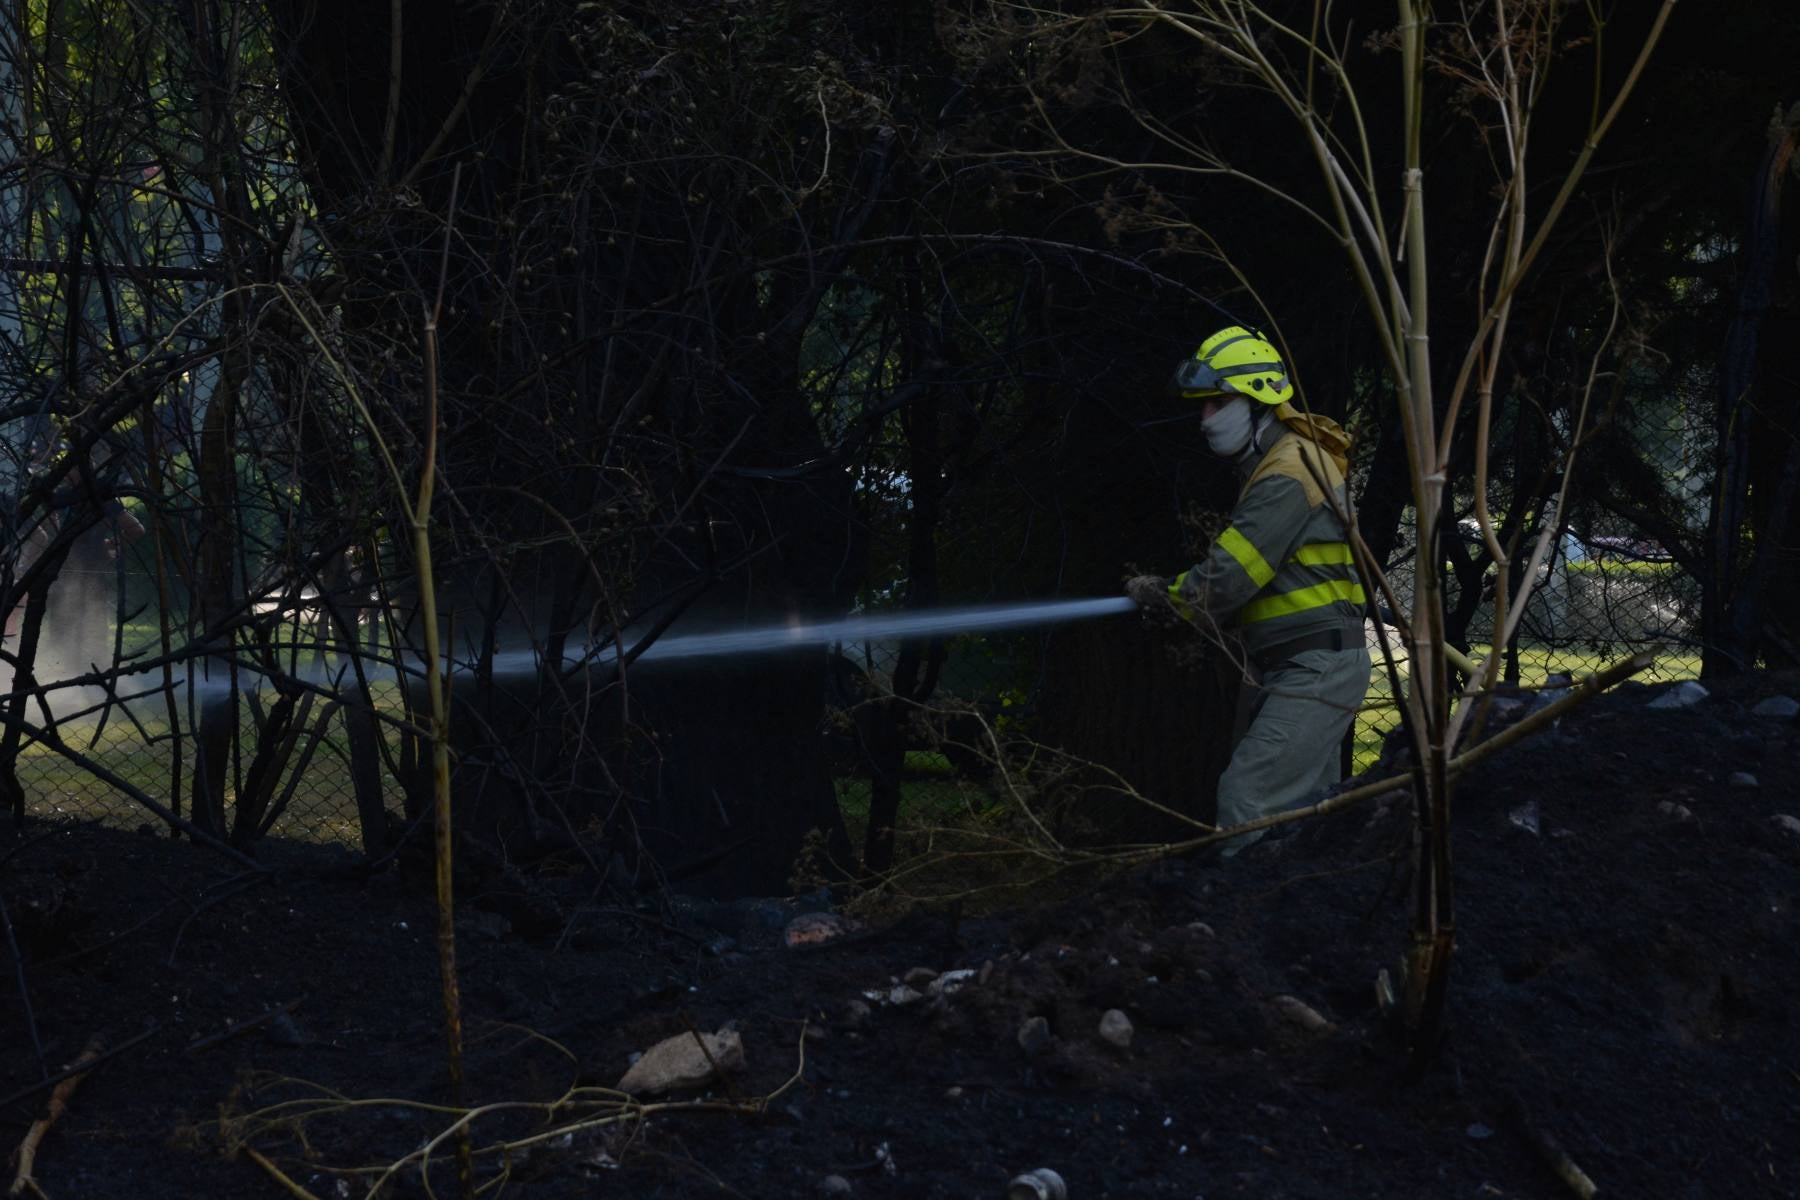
{"points": [[867, 627], [763, 639]]}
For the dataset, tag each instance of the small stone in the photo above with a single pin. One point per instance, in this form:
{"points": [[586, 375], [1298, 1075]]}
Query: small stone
{"points": [[856, 1012], [1780, 707], [987, 971], [1202, 928], [1743, 779], [1682, 695], [284, 1032], [954, 1093], [951, 982], [1787, 823], [835, 1185], [1034, 1035], [1505, 709], [1525, 817], [1301, 1013], [1115, 1027], [900, 995], [817, 928], [1387, 999], [1479, 1132], [1679, 812], [919, 976]]}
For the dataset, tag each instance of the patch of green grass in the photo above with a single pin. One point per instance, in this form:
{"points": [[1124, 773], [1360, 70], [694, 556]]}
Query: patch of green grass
{"points": [[1380, 715], [322, 808], [935, 796], [928, 762], [1622, 566]]}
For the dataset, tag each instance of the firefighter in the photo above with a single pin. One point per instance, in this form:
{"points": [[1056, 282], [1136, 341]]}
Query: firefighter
{"points": [[1282, 573]]}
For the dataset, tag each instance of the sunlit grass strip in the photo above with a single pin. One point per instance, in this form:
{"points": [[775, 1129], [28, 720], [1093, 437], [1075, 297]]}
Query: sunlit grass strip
{"points": [[323, 810], [1380, 715]]}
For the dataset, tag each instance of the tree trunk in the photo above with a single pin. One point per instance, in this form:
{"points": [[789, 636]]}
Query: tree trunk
{"points": [[1756, 480], [1774, 464], [23, 678], [1121, 696], [1150, 703], [670, 397], [882, 725], [343, 591], [218, 727]]}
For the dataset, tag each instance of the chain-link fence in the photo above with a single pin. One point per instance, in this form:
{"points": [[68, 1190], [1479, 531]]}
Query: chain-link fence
{"points": [[304, 791], [1597, 598]]}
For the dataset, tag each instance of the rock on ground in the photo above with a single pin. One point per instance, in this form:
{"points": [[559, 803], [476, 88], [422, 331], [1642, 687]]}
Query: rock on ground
{"points": [[1682, 695], [1630, 988], [1115, 1027], [1783, 708], [679, 1062]]}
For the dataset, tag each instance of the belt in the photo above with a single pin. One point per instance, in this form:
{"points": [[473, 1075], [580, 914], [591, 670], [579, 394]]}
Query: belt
{"points": [[1325, 639]]}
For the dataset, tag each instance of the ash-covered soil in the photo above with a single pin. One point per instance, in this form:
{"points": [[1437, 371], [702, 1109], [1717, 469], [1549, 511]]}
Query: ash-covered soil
{"points": [[1625, 983]]}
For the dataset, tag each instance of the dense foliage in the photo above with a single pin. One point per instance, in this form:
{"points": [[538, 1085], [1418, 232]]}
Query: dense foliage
{"points": [[769, 308]]}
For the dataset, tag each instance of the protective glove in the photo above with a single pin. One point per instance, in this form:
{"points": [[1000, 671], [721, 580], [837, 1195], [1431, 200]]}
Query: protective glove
{"points": [[1148, 591], [1151, 592]]}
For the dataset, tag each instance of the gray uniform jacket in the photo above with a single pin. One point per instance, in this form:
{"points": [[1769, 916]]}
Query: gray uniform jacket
{"points": [[1283, 571]]}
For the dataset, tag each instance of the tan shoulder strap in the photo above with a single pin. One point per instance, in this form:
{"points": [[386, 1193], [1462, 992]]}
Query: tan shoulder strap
{"points": [[1299, 459]]}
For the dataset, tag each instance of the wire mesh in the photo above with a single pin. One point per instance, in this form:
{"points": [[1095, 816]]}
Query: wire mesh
{"points": [[1598, 598], [1595, 600], [311, 798]]}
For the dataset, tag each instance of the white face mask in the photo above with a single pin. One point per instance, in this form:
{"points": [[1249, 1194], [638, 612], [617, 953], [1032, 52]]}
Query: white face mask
{"points": [[1228, 430]]}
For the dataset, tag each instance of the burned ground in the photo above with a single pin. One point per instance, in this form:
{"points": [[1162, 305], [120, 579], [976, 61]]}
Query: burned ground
{"points": [[1625, 982]]}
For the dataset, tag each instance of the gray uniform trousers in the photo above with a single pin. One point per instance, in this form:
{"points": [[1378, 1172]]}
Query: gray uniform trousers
{"points": [[1290, 753]]}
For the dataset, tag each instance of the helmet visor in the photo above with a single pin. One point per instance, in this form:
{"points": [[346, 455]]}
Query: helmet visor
{"points": [[1194, 377]]}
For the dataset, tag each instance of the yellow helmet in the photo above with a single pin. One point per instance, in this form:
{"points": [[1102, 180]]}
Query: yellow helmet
{"points": [[1237, 361]]}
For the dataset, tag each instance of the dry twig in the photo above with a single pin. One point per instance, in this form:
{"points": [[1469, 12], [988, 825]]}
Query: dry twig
{"points": [[244, 1026], [277, 1174], [1551, 1151], [81, 1066], [577, 1111], [24, 1181]]}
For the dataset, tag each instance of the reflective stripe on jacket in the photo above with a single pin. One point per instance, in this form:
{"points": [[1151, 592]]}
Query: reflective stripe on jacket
{"points": [[1282, 569]]}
